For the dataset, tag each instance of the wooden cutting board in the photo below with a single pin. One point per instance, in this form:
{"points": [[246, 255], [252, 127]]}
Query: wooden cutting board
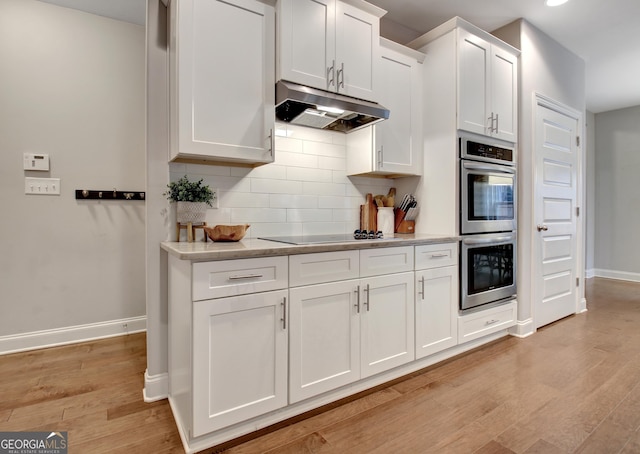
{"points": [[369, 214]]}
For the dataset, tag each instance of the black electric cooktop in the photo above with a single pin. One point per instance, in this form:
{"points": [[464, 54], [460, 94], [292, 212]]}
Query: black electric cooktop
{"points": [[320, 239]]}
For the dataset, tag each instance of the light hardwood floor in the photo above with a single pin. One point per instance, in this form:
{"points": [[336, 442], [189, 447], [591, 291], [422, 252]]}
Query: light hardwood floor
{"points": [[574, 386]]}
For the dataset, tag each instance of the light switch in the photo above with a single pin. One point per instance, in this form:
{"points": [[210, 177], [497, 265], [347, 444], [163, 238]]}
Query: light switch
{"points": [[42, 186], [34, 161]]}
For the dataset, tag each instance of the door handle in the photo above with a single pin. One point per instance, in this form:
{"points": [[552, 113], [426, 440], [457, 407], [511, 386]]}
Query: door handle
{"points": [[542, 228]]}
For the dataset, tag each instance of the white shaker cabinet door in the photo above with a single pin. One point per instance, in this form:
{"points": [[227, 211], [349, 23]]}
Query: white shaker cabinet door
{"points": [[487, 88], [239, 359], [222, 77], [357, 51], [387, 322], [324, 338], [436, 310], [504, 94], [306, 42], [473, 83]]}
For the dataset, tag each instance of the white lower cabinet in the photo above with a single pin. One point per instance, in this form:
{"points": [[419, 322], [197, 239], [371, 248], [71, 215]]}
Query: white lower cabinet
{"points": [[436, 298], [324, 338], [239, 359], [346, 330], [482, 323], [255, 341], [386, 322], [436, 310]]}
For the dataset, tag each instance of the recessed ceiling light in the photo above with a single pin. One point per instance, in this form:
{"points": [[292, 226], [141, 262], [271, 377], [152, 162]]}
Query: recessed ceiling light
{"points": [[555, 2]]}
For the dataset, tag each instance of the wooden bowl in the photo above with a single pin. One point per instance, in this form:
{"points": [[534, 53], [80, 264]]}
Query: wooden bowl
{"points": [[227, 232]]}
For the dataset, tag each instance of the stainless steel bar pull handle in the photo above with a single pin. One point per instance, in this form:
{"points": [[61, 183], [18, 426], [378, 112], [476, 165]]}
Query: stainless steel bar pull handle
{"points": [[491, 322], [271, 141], [284, 313], [366, 302], [341, 76], [542, 228], [331, 72], [357, 305], [245, 276], [421, 292], [497, 123], [380, 160]]}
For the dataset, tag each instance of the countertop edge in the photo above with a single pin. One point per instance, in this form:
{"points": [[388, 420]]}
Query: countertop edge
{"points": [[251, 248]]}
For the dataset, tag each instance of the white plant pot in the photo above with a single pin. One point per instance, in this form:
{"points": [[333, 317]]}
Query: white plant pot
{"points": [[193, 212]]}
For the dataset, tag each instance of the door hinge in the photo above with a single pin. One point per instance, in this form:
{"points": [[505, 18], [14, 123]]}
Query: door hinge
{"points": [[577, 282], [578, 140], [577, 211]]}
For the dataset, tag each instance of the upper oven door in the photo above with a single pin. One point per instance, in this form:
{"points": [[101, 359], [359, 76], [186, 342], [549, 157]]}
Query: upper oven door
{"points": [[488, 197]]}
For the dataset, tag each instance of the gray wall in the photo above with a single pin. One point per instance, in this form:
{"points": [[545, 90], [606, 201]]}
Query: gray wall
{"points": [[590, 205], [617, 194], [71, 85]]}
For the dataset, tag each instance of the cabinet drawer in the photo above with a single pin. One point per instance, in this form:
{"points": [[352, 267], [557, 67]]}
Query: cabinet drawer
{"points": [[322, 267], [387, 260], [436, 255], [238, 277], [481, 323]]}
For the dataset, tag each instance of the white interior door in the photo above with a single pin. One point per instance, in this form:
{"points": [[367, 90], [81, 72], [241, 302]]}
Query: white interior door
{"points": [[556, 145]]}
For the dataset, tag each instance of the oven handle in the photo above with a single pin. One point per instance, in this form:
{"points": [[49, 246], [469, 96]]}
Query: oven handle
{"points": [[495, 239], [489, 167]]}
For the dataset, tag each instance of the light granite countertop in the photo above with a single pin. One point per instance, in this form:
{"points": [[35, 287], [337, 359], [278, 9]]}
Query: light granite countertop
{"points": [[199, 251]]}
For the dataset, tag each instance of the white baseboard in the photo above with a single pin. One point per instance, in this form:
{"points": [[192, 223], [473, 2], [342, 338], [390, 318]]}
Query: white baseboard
{"points": [[156, 387], [71, 334], [590, 273], [523, 328], [621, 275]]}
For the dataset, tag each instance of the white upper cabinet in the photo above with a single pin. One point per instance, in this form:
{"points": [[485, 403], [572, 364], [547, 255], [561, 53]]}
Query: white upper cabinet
{"points": [[487, 88], [392, 147], [222, 77], [329, 44]]}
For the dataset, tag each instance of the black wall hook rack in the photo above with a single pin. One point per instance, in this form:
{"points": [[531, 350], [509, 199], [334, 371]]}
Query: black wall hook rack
{"points": [[85, 194]]}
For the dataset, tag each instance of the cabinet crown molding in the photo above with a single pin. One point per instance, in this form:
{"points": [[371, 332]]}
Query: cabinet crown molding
{"points": [[458, 22]]}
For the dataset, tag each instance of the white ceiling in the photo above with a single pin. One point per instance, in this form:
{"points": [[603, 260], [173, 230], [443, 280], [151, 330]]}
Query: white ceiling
{"points": [[605, 33]]}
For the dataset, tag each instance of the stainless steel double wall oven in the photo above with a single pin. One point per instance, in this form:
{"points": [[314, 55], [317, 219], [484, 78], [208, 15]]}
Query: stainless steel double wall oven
{"points": [[488, 221]]}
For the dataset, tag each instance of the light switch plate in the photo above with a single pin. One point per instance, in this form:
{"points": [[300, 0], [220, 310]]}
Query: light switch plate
{"points": [[42, 186], [34, 161]]}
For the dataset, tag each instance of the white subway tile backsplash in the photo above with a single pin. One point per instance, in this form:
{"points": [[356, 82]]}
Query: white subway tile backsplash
{"points": [[243, 200], [310, 134], [203, 169], [342, 202], [321, 228], [324, 149], [332, 163], [324, 188], [273, 171], [309, 215], [302, 174], [268, 229], [286, 158], [250, 215], [304, 192], [267, 186], [293, 201], [287, 144]]}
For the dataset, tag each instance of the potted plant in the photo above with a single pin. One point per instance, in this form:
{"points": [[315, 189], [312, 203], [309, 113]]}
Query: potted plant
{"points": [[192, 198]]}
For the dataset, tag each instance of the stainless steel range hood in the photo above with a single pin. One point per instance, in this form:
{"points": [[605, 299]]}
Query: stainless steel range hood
{"points": [[306, 106]]}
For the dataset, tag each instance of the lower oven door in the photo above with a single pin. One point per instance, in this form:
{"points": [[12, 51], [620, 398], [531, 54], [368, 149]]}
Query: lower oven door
{"points": [[488, 269]]}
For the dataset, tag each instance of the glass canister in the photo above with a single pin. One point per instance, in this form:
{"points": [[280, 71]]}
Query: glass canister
{"points": [[385, 221]]}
